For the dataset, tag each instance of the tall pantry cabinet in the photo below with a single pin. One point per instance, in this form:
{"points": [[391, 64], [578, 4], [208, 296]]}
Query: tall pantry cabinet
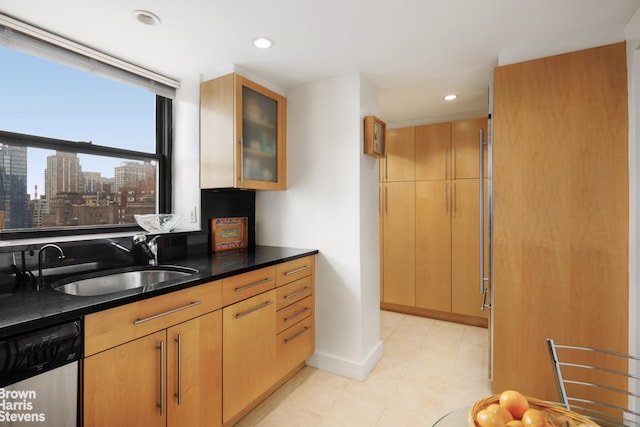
{"points": [[561, 212], [430, 222]]}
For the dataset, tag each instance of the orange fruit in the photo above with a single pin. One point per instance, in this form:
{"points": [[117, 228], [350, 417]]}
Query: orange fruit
{"points": [[514, 402], [486, 418], [514, 423], [535, 418], [502, 412]]}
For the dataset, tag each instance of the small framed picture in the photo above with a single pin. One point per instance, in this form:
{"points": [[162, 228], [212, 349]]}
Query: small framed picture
{"points": [[374, 135]]}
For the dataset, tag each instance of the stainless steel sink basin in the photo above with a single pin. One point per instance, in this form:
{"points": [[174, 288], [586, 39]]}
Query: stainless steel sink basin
{"points": [[108, 282]]}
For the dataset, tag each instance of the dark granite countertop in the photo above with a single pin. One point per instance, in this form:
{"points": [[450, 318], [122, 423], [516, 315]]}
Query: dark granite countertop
{"points": [[26, 308]]}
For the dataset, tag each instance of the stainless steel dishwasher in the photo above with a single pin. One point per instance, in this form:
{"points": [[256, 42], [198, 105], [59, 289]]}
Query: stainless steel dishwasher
{"points": [[39, 376]]}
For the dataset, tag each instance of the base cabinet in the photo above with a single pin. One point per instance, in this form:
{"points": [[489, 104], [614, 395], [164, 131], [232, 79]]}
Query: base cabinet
{"points": [[248, 352], [168, 378]]}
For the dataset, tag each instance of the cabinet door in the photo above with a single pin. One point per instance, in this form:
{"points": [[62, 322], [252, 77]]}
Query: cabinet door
{"points": [[261, 126], [433, 151], [433, 245], [400, 153], [399, 240], [123, 385], [465, 146], [194, 372], [248, 348], [561, 242], [465, 249]]}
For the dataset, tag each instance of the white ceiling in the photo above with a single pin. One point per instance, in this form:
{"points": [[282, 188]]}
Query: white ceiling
{"points": [[413, 51]]}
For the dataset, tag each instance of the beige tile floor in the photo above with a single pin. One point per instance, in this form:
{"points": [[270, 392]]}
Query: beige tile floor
{"points": [[429, 368]]}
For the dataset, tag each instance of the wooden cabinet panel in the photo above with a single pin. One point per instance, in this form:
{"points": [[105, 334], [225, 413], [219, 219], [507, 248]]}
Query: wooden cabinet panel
{"points": [[122, 386], [433, 245], [433, 152], [243, 286], [465, 249], [293, 270], [465, 146], [560, 183], [294, 345], [399, 240], [194, 372], [249, 353], [400, 153], [111, 327], [294, 291]]}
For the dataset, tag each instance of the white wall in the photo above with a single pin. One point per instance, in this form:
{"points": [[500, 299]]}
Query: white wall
{"points": [[331, 205]]}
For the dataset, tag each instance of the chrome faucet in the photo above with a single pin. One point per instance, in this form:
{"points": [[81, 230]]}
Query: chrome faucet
{"points": [[149, 248], [40, 252]]}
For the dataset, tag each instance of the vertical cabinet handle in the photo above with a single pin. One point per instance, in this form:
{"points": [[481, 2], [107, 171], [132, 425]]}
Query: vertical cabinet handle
{"points": [[446, 198], [446, 163], [386, 197], [485, 276], [178, 393], [455, 162], [241, 148], [455, 198], [162, 378]]}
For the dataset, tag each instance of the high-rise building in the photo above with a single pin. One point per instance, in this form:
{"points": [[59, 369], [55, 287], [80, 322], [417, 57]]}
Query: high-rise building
{"points": [[63, 174], [13, 186], [130, 174]]}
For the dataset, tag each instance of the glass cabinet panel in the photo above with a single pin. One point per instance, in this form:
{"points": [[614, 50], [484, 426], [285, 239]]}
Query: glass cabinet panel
{"points": [[259, 136]]}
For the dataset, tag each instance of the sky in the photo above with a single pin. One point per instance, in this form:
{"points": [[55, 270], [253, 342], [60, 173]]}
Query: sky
{"points": [[43, 98]]}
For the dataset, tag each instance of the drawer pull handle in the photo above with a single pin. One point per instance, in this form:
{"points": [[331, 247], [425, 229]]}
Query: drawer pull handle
{"points": [[251, 310], [175, 310], [297, 270], [293, 316], [288, 340], [251, 285], [296, 293]]}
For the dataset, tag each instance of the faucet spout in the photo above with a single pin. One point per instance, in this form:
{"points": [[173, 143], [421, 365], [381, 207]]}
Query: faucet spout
{"points": [[40, 252]]}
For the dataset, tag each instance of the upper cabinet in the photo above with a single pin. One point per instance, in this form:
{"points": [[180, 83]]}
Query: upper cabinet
{"points": [[242, 135]]}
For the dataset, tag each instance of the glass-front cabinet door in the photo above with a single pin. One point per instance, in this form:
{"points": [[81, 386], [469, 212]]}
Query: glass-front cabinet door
{"points": [[242, 135], [262, 137]]}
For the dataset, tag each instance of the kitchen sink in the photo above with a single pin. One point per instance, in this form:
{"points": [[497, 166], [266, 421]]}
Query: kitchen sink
{"points": [[112, 281]]}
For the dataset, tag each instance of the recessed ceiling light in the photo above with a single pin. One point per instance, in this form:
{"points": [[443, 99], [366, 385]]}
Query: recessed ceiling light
{"points": [[146, 17], [262, 42], [450, 97]]}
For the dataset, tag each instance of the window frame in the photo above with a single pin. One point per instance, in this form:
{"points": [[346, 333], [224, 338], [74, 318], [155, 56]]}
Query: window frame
{"points": [[162, 155]]}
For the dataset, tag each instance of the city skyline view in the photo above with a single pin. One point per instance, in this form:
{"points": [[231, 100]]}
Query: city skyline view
{"points": [[47, 99]]}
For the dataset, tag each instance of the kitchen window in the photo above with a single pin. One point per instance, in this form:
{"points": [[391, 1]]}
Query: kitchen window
{"points": [[84, 143]]}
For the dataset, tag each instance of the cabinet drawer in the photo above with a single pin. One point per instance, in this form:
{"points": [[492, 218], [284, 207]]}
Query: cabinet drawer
{"points": [[294, 292], [242, 286], [118, 325], [294, 345], [294, 270], [294, 313]]}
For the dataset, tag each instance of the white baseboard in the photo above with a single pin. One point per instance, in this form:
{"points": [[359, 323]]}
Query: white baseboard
{"points": [[347, 368]]}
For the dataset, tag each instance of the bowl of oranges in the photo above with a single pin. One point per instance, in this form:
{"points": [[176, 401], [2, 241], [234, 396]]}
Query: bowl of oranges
{"points": [[512, 409]]}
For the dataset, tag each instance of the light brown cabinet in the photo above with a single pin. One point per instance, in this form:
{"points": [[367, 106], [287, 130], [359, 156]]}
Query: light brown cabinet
{"points": [[430, 225], [561, 204], [166, 378], [249, 352], [242, 135], [398, 163]]}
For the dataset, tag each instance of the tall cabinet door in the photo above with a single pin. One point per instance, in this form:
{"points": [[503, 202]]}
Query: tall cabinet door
{"points": [[433, 245], [560, 185], [465, 146], [433, 152], [194, 371], [465, 248], [399, 240], [400, 152]]}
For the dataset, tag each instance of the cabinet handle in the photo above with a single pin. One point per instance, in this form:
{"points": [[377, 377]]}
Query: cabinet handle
{"points": [[297, 270], [446, 198], [455, 162], [455, 199], [155, 316], [288, 340], [162, 379], [251, 310], [386, 197], [386, 174], [251, 285], [178, 393], [446, 163], [241, 148], [293, 316], [296, 293]]}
